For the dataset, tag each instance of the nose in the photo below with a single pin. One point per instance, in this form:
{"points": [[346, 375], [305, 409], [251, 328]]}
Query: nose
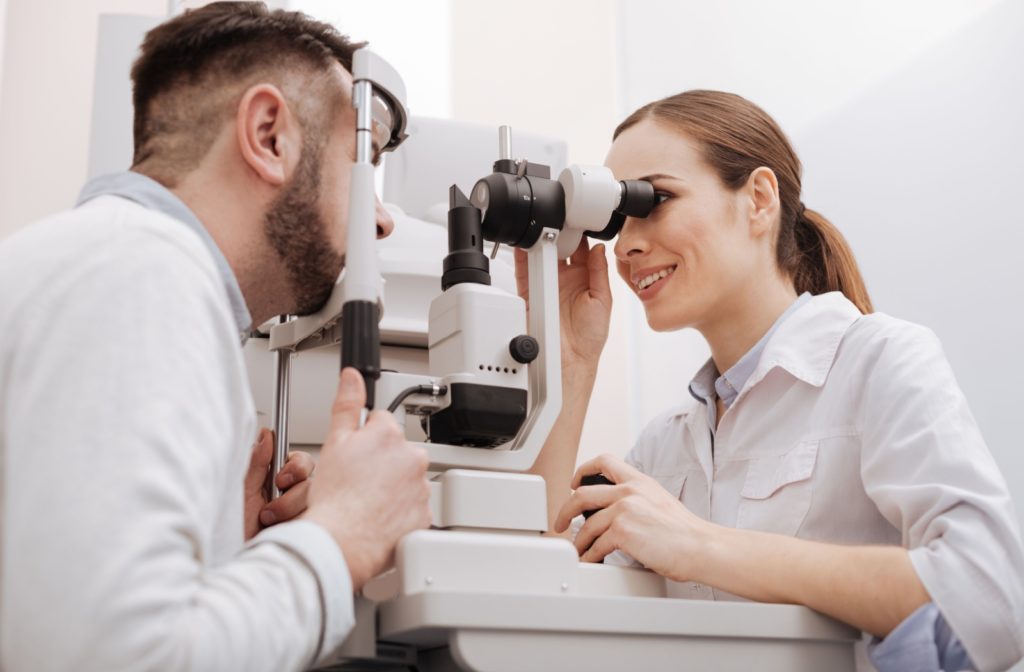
{"points": [[385, 223], [630, 242]]}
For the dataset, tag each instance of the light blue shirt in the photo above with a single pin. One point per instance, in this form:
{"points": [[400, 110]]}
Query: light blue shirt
{"points": [[923, 642], [708, 385], [151, 194]]}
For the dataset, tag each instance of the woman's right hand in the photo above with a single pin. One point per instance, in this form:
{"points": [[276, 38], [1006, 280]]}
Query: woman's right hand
{"points": [[585, 302]]}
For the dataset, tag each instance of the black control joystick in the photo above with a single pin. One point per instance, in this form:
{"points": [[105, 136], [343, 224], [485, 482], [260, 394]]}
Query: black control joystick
{"points": [[594, 479], [524, 349]]}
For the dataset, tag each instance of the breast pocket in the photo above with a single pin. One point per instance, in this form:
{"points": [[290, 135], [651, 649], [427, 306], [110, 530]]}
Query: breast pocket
{"points": [[672, 482], [776, 493]]}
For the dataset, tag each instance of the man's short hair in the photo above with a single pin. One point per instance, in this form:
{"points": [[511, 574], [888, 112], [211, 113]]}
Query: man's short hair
{"points": [[193, 69]]}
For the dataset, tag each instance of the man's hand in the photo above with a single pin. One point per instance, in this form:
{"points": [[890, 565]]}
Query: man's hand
{"points": [[371, 487], [292, 480]]}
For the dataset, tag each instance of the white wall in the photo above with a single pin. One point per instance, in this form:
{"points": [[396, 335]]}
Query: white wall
{"points": [[922, 171], [419, 45]]}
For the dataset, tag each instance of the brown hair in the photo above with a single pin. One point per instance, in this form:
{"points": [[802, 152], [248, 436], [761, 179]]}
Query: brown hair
{"points": [[738, 137], [193, 69]]}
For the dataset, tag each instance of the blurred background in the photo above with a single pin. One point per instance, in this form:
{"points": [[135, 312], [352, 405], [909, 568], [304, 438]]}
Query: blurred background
{"points": [[907, 116]]}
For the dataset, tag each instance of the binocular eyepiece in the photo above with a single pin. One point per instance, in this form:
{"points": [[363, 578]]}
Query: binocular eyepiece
{"points": [[518, 200]]}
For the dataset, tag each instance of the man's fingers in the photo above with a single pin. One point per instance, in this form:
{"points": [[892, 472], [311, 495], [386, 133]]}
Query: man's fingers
{"points": [[298, 468], [287, 506], [262, 454], [348, 403]]}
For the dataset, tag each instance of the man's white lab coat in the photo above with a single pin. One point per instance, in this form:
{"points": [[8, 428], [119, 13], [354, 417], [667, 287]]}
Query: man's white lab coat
{"points": [[126, 428]]}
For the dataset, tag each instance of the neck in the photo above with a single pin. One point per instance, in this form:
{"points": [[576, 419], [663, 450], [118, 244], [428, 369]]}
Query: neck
{"points": [[741, 325], [236, 226]]}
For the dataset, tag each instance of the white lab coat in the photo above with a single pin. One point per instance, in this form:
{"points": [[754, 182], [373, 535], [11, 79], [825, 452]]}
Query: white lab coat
{"points": [[852, 430], [126, 428]]}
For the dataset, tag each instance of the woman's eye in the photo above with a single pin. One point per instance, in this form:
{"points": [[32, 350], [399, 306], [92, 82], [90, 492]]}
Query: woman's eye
{"points": [[660, 197]]}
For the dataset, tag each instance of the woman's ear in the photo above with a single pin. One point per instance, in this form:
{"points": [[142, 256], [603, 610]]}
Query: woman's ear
{"points": [[269, 135], [762, 188]]}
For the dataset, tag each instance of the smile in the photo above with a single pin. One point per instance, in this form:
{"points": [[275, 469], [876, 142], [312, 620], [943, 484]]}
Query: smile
{"points": [[648, 280]]}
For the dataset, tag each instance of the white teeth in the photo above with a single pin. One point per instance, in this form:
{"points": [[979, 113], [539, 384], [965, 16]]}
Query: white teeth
{"points": [[649, 280]]}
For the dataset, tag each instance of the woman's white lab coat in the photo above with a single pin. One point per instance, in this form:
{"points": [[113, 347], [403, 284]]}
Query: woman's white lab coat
{"points": [[853, 430]]}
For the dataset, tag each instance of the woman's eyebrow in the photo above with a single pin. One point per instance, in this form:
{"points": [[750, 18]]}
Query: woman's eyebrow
{"points": [[660, 176]]}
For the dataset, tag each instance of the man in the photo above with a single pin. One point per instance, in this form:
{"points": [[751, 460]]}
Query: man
{"points": [[126, 424]]}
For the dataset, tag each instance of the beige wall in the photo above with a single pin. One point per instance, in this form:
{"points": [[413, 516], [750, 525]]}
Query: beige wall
{"points": [[45, 102], [521, 67], [3, 24], [46, 83]]}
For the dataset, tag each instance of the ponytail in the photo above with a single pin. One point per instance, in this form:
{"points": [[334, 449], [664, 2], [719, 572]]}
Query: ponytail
{"points": [[822, 260]]}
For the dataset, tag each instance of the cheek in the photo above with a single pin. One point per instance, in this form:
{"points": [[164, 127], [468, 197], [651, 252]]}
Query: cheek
{"points": [[623, 270]]}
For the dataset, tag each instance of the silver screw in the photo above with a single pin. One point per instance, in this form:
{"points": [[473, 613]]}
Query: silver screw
{"points": [[549, 236]]}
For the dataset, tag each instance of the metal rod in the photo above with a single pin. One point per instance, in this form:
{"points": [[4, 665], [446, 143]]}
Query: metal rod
{"points": [[283, 358], [504, 142], [363, 102]]}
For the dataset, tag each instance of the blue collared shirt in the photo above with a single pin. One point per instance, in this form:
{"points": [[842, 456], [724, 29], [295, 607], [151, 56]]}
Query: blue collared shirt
{"points": [[151, 194], [923, 642]]}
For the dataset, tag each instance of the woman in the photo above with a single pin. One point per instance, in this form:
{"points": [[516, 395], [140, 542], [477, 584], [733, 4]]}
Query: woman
{"points": [[827, 457]]}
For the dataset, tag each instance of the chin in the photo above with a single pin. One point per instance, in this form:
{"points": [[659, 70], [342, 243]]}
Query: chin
{"points": [[661, 320]]}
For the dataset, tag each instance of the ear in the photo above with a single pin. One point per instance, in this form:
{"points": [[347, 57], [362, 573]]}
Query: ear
{"points": [[762, 190], [269, 135]]}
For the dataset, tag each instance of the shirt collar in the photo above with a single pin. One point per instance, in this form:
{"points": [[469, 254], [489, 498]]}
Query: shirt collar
{"points": [[708, 385], [149, 193], [807, 343]]}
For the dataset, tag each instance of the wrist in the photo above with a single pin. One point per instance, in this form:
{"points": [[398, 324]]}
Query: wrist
{"points": [[579, 376], [354, 560], [706, 550]]}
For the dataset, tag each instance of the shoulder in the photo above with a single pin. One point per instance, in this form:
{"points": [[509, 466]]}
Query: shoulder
{"points": [[113, 265], [108, 241], [881, 339]]}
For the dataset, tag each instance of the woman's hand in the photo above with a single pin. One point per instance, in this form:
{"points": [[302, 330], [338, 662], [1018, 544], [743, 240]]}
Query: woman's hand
{"points": [[585, 302], [636, 516], [292, 480]]}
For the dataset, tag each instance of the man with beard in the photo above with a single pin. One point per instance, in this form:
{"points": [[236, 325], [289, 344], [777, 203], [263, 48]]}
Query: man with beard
{"points": [[130, 486]]}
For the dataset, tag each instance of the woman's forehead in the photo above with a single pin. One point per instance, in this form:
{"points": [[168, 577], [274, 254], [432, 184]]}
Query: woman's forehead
{"points": [[651, 148]]}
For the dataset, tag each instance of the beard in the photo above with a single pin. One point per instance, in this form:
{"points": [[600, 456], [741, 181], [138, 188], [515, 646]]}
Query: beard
{"points": [[298, 233]]}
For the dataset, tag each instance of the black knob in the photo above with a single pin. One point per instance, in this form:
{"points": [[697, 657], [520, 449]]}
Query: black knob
{"points": [[524, 349], [594, 479]]}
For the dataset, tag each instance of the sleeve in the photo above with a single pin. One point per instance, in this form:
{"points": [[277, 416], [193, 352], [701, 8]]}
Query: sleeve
{"points": [[927, 468], [121, 448], [923, 642]]}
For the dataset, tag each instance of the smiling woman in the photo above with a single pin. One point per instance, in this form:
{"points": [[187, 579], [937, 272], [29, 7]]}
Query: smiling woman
{"points": [[827, 456]]}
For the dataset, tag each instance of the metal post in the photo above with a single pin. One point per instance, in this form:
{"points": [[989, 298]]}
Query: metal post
{"points": [[505, 142], [283, 358]]}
